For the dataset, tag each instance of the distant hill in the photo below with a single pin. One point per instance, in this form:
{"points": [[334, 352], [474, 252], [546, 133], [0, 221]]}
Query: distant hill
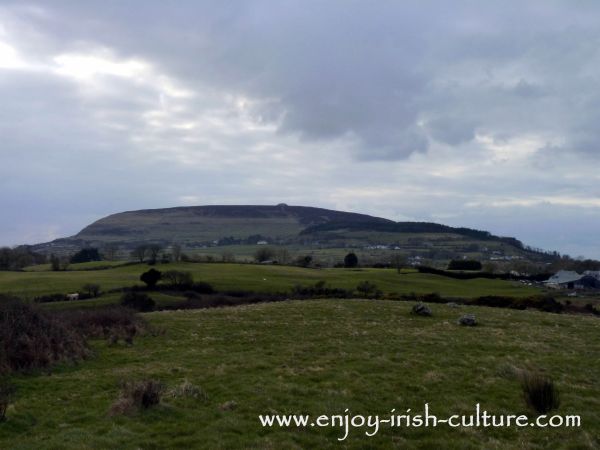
{"points": [[222, 225]]}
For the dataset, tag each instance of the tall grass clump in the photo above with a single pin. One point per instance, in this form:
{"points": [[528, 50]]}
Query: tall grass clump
{"points": [[539, 391], [137, 396]]}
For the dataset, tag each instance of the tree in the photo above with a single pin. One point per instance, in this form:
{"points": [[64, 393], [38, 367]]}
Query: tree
{"points": [[264, 254], [398, 261], [366, 288], [490, 267], [140, 252], [304, 261], [350, 260], [110, 251], [283, 256], [91, 289], [176, 252], [153, 251], [19, 257], [178, 278], [227, 257], [151, 277], [86, 255], [54, 262]]}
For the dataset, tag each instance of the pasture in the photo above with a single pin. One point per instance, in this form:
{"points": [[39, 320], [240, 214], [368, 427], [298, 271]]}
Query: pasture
{"points": [[317, 357], [257, 278]]}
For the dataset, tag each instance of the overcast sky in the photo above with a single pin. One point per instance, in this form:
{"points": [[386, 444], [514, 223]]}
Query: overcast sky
{"points": [[470, 113]]}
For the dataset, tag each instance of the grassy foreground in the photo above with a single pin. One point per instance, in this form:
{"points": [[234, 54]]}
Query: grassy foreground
{"points": [[318, 357], [258, 278]]}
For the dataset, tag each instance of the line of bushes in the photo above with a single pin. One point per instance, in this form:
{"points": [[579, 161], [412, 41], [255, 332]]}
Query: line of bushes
{"points": [[490, 275]]}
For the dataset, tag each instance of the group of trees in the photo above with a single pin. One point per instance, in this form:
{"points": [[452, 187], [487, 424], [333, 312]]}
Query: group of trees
{"points": [[19, 257], [86, 255], [151, 253]]}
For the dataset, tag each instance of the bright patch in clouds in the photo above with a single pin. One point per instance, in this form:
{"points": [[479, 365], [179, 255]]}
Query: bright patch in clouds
{"points": [[86, 67], [9, 57]]}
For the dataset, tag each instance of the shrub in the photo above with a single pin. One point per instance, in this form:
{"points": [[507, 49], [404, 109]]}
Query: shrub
{"points": [[91, 289], [589, 308], [151, 277], [136, 396], [31, 339], [7, 390], [539, 392], [304, 261], [178, 278], [49, 298], [264, 254], [432, 297], [366, 288], [138, 301], [202, 287], [350, 260], [464, 264], [319, 289], [543, 303]]}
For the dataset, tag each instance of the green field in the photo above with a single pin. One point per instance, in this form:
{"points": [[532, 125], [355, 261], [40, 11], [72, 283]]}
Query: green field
{"points": [[258, 278], [318, 357]]}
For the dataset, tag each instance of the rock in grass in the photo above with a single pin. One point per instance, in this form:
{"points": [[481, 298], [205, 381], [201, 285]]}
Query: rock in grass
{"points": [[453, 305], [421, 310], [228, 406], [468, 320]]}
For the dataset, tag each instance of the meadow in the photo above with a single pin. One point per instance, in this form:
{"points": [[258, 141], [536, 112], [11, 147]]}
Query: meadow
{"points": [[317, 357], [257, 278]]}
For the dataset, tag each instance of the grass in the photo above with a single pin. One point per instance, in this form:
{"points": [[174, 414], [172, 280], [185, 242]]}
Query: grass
{"points": [[259, 278], [318, 357], [93, 265]]}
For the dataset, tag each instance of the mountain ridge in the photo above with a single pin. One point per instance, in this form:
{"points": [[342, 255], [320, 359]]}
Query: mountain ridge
{"points": [[282, 224]]}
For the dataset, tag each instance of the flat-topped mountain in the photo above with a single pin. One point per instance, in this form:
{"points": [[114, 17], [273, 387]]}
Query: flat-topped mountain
{"points": [[222, 225]]}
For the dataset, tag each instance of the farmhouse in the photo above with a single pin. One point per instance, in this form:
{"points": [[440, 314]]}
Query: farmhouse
{"points": [[567, 279]]}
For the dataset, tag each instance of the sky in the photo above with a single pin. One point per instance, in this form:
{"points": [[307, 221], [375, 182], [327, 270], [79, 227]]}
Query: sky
{"points": [[467, 113]]}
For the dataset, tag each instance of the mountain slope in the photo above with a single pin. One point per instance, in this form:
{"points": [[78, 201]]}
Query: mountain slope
{"points": [[202, 226]]}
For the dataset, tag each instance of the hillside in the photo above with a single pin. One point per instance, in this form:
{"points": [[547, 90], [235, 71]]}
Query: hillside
{"points": [[202, 227]]}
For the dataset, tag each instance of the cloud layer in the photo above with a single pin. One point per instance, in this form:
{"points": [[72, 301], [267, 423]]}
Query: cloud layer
{"points": [[475, 114]]}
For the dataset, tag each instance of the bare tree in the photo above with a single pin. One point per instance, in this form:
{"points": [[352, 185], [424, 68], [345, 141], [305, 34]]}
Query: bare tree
{"points": [[91, 289], [153, 250], [264, 254], [176, 252], [140, 252], [110, 251], [398, 261], [283, 256], [227, 257]]}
